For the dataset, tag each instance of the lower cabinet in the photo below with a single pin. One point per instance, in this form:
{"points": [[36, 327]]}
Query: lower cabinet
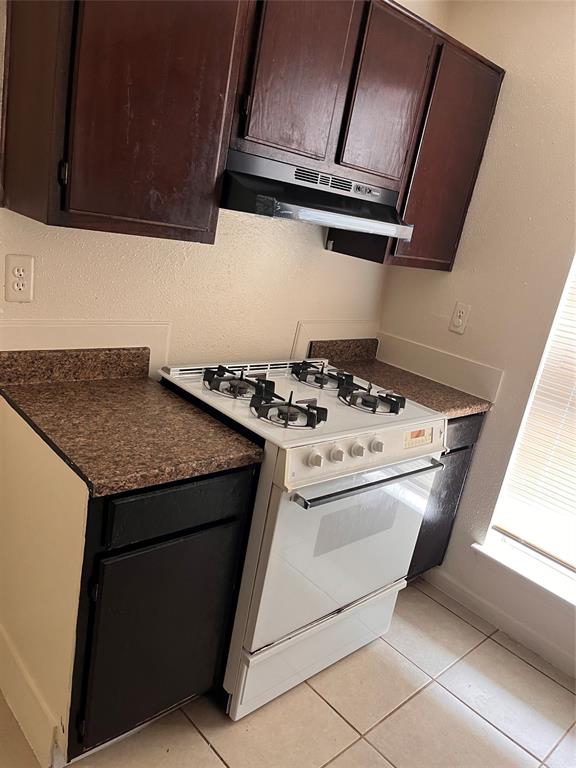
{"points": [[156, 615], [446, 493], [160, 621]]}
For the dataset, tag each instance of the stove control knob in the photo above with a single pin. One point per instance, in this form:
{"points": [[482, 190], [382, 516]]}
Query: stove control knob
{"points": [[357, 450], [336, 454], [315, 459], [377, 446]]}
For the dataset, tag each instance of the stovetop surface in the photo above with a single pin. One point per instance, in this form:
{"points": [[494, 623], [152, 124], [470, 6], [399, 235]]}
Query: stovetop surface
{"points": [[342, 419]]}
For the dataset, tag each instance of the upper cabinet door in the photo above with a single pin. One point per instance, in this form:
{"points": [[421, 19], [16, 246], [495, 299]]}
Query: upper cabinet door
{"points": [[297, 73], [455, 133], [151, 105], [389, 92]]}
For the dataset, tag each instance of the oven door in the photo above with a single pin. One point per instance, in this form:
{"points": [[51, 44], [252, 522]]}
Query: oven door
{"points": [[336, 542]]}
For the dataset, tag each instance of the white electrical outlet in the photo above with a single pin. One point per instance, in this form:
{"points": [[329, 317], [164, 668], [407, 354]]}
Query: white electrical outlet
{"points": [[19, 277], [459, 318]]}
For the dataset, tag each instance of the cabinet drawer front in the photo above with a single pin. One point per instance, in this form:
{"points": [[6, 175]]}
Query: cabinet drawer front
{"points": [[297, 74], [389, 92], [149, 108], [161, 623], [464, 431], [145, 516]]}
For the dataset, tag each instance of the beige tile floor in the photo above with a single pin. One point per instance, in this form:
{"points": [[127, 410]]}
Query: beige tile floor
{"points": [[443, 689]]}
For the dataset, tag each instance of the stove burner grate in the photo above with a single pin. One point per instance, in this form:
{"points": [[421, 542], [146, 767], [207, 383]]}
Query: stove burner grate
{"points": [[364, 399], [290, 414], [320, 377], [228, 383]]}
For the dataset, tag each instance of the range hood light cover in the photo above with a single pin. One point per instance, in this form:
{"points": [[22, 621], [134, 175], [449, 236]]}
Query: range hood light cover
{"points": [[337, 220]]}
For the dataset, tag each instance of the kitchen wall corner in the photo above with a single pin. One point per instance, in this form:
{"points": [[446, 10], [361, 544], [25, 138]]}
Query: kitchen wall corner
{"points": [[516, 249]]}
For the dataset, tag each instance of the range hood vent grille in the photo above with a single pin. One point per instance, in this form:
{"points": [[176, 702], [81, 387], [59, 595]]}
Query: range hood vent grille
{"points": [[313, 177], [272, 188]]}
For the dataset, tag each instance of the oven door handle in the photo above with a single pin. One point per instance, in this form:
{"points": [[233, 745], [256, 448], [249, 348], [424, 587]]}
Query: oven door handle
{"points": [[434, 466]]}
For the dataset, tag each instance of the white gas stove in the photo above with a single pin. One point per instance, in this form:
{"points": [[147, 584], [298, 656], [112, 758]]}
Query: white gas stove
{"points": [[331, 422], [348, 471]]}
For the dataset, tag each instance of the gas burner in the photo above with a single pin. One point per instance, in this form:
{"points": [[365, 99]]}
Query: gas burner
{"points": [[320, 377], [364, 399], [299, 414], [228, 383]]}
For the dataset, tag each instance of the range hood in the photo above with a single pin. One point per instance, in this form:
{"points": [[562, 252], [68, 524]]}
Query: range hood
{"points": [[272, 188]]}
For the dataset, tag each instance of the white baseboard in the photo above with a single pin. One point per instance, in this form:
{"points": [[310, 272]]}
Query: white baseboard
{"points": [[22, 696], [324, 330], [80, 334], [520, 624], [461, 373]]}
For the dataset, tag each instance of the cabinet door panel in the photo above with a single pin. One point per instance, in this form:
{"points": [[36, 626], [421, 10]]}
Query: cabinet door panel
{"points": [[161, 618], [440, 512], [449, 156], [297, 74], [149, 108], [389, 91]]}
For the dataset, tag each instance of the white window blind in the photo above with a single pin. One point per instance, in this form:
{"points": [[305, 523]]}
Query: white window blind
{"points": [[537, 505]]}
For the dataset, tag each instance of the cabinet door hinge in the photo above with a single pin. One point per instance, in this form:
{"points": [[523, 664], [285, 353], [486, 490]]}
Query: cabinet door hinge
{"points": [[245, 104], [94, 592], [63, 172]]}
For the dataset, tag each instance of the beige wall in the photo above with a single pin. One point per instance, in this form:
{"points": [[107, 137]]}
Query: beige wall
{"points": [[238, 299], [518, 241]]}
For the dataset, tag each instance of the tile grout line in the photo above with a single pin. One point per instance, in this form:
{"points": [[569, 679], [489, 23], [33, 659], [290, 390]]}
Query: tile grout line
{"points": [[212, 747], [560, 740], [392, 711], [497, 728], [332, 759], [530, 663], [452, 663], [490, 634], [375, 748], [432, 680], [340, 715]]}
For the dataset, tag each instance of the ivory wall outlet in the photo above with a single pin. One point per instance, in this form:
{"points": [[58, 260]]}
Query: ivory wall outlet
{"points": [[19, 278], [459, 317]]}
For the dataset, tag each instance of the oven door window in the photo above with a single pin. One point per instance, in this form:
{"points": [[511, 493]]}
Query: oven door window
{"points": [[338, 541]]}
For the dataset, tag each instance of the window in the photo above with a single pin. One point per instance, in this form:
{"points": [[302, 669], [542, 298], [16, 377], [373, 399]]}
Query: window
{"points": [[537, 505]]}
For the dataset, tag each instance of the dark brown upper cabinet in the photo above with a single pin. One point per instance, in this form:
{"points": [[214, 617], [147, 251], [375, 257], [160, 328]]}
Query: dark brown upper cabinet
{"points": [[388, 94], [431, 148], [449, 155], [297, 71], [118, 113], [297, 66]]}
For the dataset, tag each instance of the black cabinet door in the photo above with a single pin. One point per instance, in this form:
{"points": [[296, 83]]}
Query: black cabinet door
{"points": [[160, 623], [440, 513]]}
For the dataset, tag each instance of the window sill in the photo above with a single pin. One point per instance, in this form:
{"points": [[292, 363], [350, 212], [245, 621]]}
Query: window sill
{"points": [[523, 561]]}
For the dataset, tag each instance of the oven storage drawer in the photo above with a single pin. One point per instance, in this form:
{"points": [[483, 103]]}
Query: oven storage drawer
{"points": [[142, 516], [276, 669]]}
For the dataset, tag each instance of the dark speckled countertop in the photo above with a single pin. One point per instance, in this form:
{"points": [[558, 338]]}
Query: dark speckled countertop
{"points": [[118, 429], [358, 356]]}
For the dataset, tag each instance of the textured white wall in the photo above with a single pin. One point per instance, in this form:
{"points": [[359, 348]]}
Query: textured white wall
{"points": [[238, 299], [518, 241]]}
